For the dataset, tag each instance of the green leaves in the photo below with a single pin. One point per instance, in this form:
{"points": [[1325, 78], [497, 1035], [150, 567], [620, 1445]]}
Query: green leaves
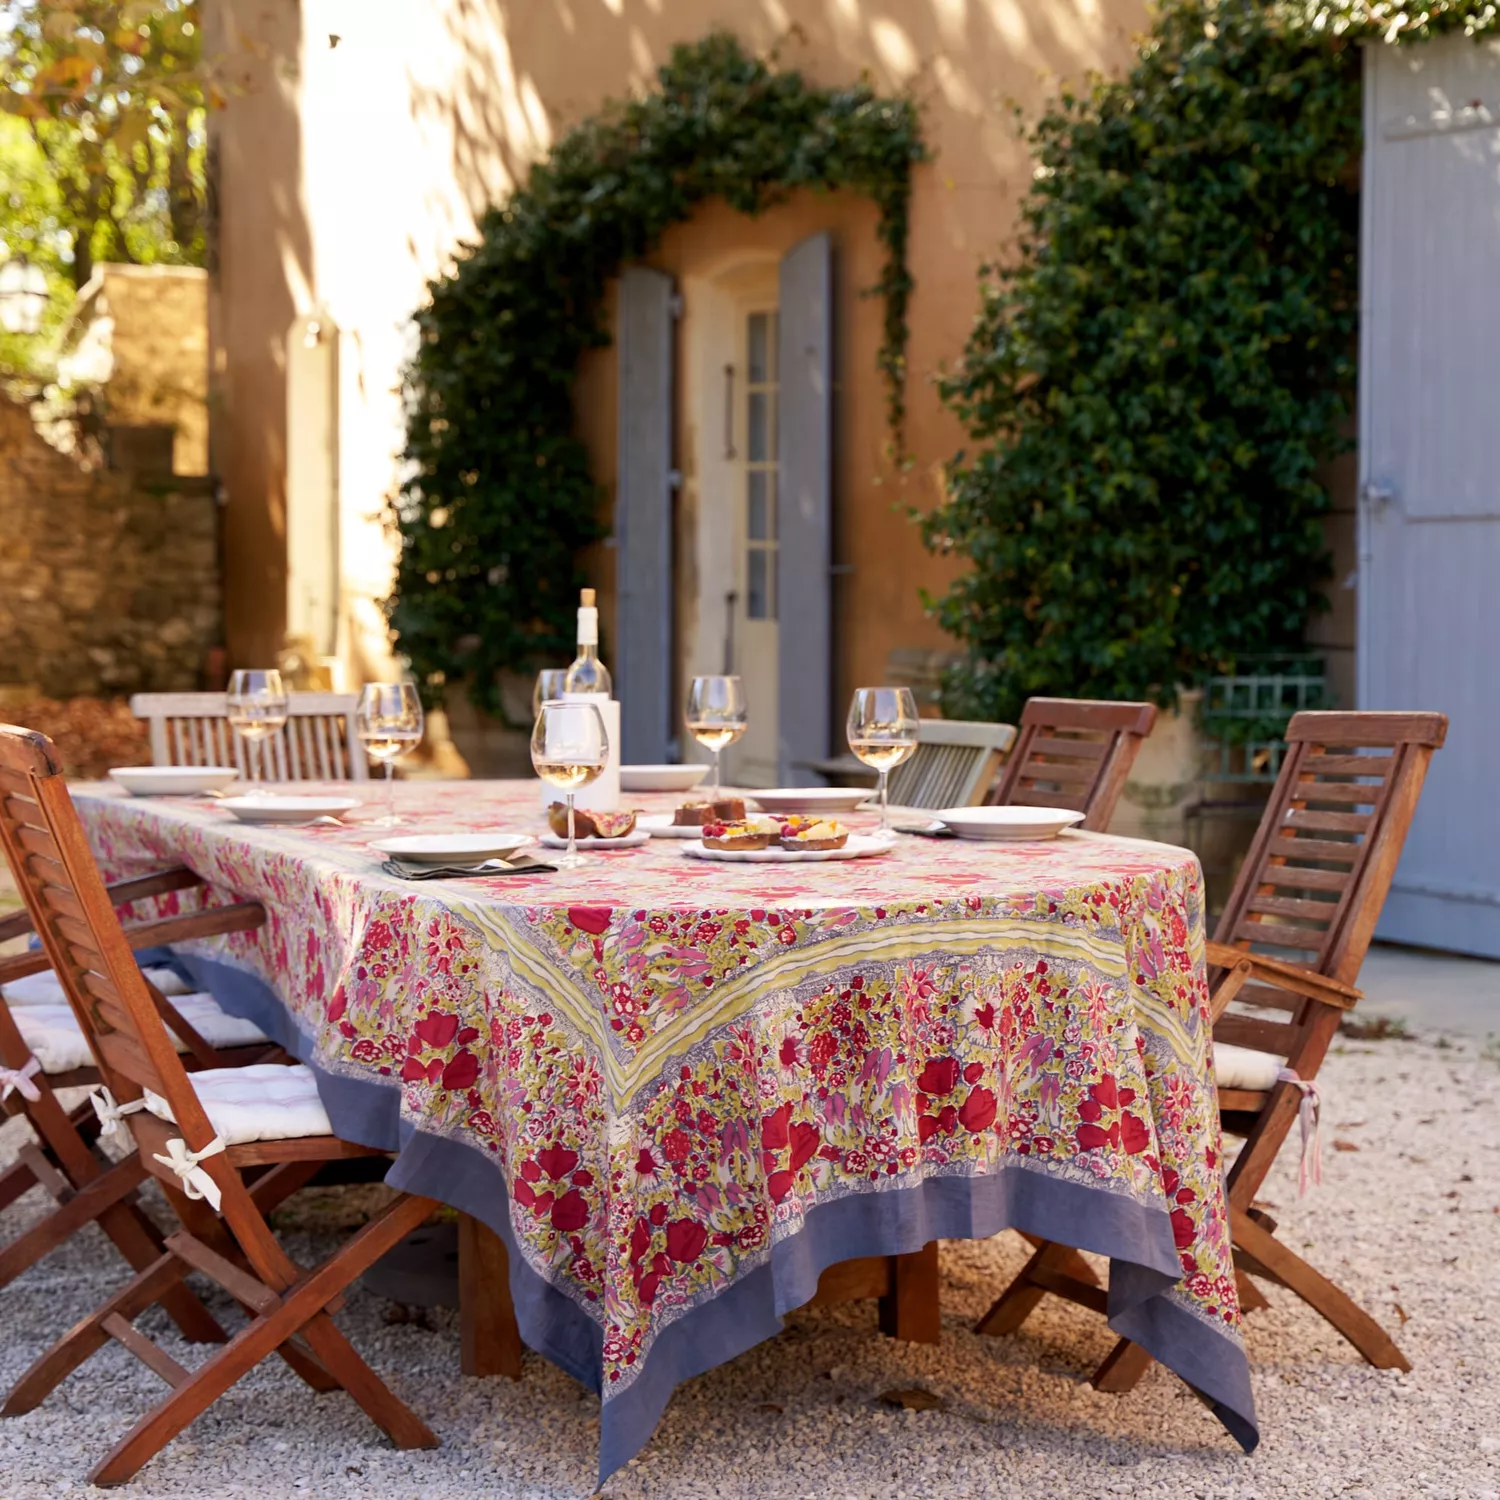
{"points": [[499, 501], [1156, 375]]}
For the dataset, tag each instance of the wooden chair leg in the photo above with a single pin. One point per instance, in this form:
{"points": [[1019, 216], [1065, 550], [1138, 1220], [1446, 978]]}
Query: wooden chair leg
{"points": [[1252, 1299], [490, 1340], [1346, 1315], [77, 1208], [913, 1308], [1020, 1299], [1122, 1368], [300, 1309]]}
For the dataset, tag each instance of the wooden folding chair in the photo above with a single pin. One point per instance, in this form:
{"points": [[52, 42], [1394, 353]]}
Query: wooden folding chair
{"points": [[85, 1185], [1312, 886], [1075, 753], [319, 742], [275, 1128], [954, 764]]}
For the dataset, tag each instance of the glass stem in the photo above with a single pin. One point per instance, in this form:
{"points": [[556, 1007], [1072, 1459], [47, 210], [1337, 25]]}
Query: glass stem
{"points": [[390, 790], [572, 835], [885, 809], [716, 771]]}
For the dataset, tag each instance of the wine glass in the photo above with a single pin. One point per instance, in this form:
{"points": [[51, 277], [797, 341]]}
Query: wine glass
{"points": [[549, 687], [883, 730], [389, 723], [716, 715], [257, 706], [569, 748]]}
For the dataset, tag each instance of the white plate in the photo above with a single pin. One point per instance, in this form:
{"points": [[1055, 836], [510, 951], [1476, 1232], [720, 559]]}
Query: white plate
{"points": [[268, 809], [440, 848], [632, 840], [810, 799], [1013, 823], [661, 778], [860, 846], [173, 781], [661, 826]]}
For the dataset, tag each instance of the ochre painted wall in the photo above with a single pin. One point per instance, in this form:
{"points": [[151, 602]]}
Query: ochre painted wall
{"points": [[367, 135]]}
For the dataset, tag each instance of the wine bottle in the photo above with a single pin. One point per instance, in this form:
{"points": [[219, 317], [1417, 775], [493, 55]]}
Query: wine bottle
{"points": [[588, 674]]}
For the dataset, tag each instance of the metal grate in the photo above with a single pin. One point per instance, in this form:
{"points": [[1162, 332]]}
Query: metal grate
{"points": [[1244, 714]]}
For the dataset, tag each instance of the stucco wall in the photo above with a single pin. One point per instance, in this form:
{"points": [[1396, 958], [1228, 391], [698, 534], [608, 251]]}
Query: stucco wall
{"points": [[363, 137]]}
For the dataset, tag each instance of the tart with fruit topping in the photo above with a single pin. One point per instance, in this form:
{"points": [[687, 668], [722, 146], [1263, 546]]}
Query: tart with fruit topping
{"points": [[743, 833], [812, 835]]}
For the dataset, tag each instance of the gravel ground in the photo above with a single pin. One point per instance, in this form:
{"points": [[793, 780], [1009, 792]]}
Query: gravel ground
{"points": [[1408, 1220]]}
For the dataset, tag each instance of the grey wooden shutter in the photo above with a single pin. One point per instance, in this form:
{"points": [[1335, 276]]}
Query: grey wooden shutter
{"points": [[642, 651], [804, 523]]}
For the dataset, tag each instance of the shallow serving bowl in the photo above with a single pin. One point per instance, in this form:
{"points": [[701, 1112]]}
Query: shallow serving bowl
{"points": [[456, 848], [661, 778], [173, 781], [809, 799], [276, 809], [1013, 823]]}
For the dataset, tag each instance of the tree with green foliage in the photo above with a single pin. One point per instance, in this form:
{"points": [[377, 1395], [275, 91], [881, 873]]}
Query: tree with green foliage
{"points": [[101, 138]]}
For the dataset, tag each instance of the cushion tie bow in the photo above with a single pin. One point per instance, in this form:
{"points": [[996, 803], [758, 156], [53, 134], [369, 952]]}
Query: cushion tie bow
{"points": [[19, 1079], [112, 1115], [196, 1183], [1309, 1116]]}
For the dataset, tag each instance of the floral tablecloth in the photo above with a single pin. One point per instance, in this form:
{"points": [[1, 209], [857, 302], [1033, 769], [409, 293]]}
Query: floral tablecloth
{"points": [[680, 1089]]}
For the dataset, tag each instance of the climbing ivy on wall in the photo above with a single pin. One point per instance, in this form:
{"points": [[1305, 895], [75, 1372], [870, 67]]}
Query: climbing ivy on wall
{"points": [[499, 501], [1164, 361]]}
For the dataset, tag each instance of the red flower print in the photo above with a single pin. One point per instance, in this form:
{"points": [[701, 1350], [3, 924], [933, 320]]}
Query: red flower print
{"points": [[1182, 1228], [338, 1005], [645, 1163], [531, 1172], [591, 919], [779, 1184], [462, 1071], [658, 1215], [984, 1017], [648, 1289], [437, 1029], [676, 1145], [804, 1141], [557, 1161], [412, 1071], [787, 936], [1134, 1136], [977, 1111], [522, 1193], [820, 1054], [773, 1129], [940, 1076], [787, 1056], [685, 1240], [640, 1240], [927, 1127], [974, 1072], [1092, 1138], [570, 1212], [1105, 1093]]}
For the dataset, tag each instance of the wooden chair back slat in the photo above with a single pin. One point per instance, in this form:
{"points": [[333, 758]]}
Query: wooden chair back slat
{"points": [[954, 763], [319, 742], [1075, 753]]}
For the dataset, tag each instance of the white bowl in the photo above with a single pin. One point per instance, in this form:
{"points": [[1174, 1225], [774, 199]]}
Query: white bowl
{"points": [[461, 848], [173, 781], [810, 799], [275, 809], [661, 778], [1012, 823]]}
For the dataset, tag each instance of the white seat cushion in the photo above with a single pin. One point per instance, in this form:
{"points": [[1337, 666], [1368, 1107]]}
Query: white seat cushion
{"points": [[1245, 1068], [56, 1041], [266, 1102], [46, 988]]}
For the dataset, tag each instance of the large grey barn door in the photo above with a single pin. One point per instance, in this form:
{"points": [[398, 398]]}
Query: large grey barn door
{"points": [[1429, 604], [643, 516], [805, 420]]}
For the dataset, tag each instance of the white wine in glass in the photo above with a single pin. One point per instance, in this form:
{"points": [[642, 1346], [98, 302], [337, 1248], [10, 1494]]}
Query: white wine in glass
{"points": [[257, 706], [569, 749], [883, 732], [389, 724], [716, 715]]}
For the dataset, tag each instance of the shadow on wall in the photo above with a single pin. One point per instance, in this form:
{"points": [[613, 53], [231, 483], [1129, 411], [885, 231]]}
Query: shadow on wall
{"points": [[527, 70]]}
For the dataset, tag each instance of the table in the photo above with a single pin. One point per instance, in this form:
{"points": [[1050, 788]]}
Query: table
{"points": [[680, 1090]]}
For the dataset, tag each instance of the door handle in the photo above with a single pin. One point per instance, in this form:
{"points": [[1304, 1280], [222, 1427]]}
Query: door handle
{"points": [[1376, 496]]}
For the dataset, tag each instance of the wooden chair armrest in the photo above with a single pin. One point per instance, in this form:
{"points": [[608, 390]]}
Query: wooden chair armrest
{"points": [[243, 916], [19, 965], [138, 887], [1286, 976], [17, 924]]}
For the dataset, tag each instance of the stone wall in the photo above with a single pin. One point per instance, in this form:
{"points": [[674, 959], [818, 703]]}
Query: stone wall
{"points": [[109, 578]]}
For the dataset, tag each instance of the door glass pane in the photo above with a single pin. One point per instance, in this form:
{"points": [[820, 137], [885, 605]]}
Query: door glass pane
{"points": [[771, 505], [761, 520], [759, 423], [759, 358], [758, 603]]}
